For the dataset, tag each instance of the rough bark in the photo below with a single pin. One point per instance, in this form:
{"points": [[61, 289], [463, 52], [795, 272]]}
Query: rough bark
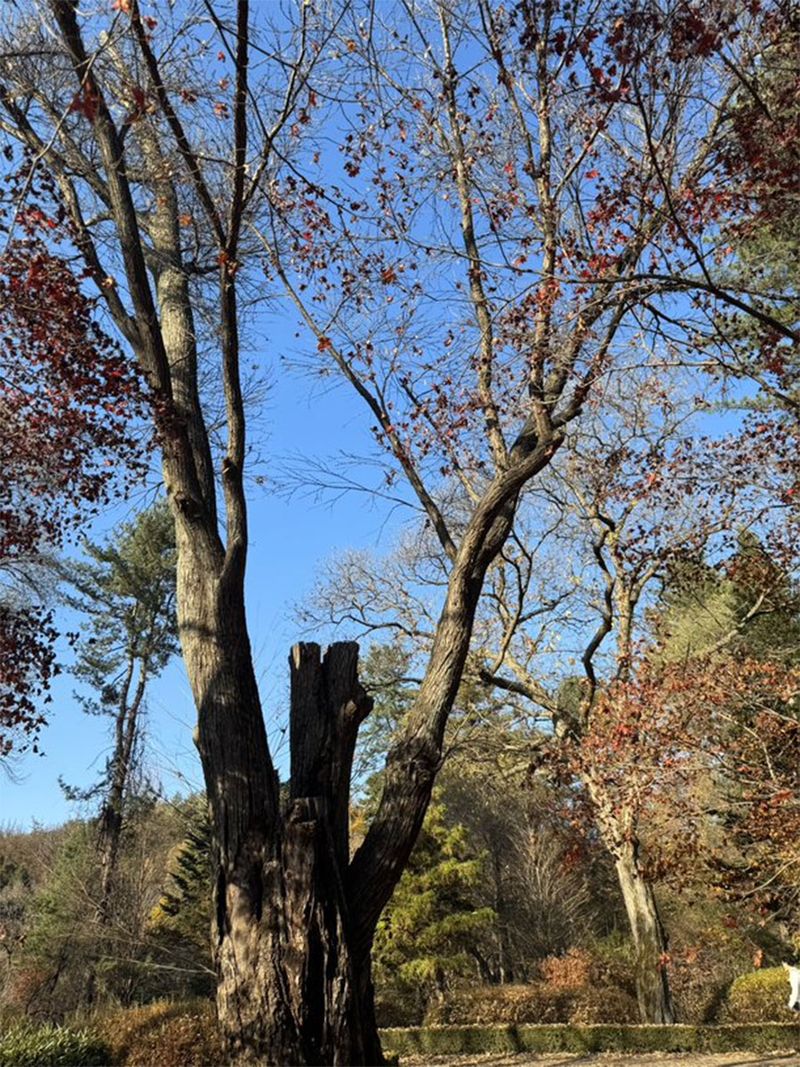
{"points": [[652, 985], [292, 988]]}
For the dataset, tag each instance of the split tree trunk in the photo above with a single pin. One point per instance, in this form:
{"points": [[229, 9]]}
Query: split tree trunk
{"points": [[294, 984], [650, 939]]}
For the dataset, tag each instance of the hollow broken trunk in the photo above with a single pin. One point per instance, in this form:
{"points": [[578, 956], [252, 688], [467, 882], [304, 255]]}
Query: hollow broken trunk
{"points": [[291, 990], [294, 981]]}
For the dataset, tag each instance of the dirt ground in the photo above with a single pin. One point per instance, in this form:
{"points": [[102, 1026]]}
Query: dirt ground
{"points": [[610, 1059]]}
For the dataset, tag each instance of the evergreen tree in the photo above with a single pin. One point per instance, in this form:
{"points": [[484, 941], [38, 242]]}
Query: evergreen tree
{"points": [[765, 247], [424, 936], [184, 910], [747, 604], [126, 593]]}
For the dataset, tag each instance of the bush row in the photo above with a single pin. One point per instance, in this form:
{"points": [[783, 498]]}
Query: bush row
{"points": [[465, 1040], [483, 1019], [752, 998]]}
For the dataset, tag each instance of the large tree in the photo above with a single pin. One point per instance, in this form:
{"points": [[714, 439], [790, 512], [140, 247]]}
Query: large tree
{"points": [[547, 175]]}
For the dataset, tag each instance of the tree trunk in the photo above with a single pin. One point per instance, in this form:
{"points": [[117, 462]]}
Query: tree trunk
{"points": [[111, 821], [505, 966], [290, 990], [291, 986], [652, 985]]}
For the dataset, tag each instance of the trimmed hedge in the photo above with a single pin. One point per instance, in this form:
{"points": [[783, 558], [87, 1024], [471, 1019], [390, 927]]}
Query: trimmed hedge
{"points": [[503, 1005], [27, 1045], [464, 1040]]}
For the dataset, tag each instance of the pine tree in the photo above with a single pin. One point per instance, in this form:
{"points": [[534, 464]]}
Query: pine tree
{"points": [[184, 910], [126, 592], [423, 938]]}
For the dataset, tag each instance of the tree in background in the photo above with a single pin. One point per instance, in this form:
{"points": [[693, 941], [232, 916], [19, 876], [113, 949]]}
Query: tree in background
{"points": [[126, 594], [123, 957], [427, 933], [542, 881], [545, 880], [763, 155], [181, 919], [743, 614]]}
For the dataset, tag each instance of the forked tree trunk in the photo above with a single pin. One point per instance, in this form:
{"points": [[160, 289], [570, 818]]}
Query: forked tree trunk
{"points": [[294, 919], [650, 940]]}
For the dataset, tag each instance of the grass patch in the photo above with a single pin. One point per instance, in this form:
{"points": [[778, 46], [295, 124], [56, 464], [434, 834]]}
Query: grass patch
{"points": [[28, 1045]]}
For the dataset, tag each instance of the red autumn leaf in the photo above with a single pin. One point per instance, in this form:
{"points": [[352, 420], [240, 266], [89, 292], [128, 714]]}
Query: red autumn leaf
{"points": [[85, 102], [67, 398]]}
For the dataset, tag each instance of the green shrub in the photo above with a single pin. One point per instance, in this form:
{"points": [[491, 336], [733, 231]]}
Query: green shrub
{"points": [[25, 1045], [163, 1034], [758, 997]]}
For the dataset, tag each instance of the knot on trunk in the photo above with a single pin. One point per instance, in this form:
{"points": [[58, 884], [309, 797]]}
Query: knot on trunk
{"points": [[417, 758]]}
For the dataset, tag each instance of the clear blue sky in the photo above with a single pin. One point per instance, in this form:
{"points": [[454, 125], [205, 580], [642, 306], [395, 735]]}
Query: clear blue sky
{"points": [[289, 539]]}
